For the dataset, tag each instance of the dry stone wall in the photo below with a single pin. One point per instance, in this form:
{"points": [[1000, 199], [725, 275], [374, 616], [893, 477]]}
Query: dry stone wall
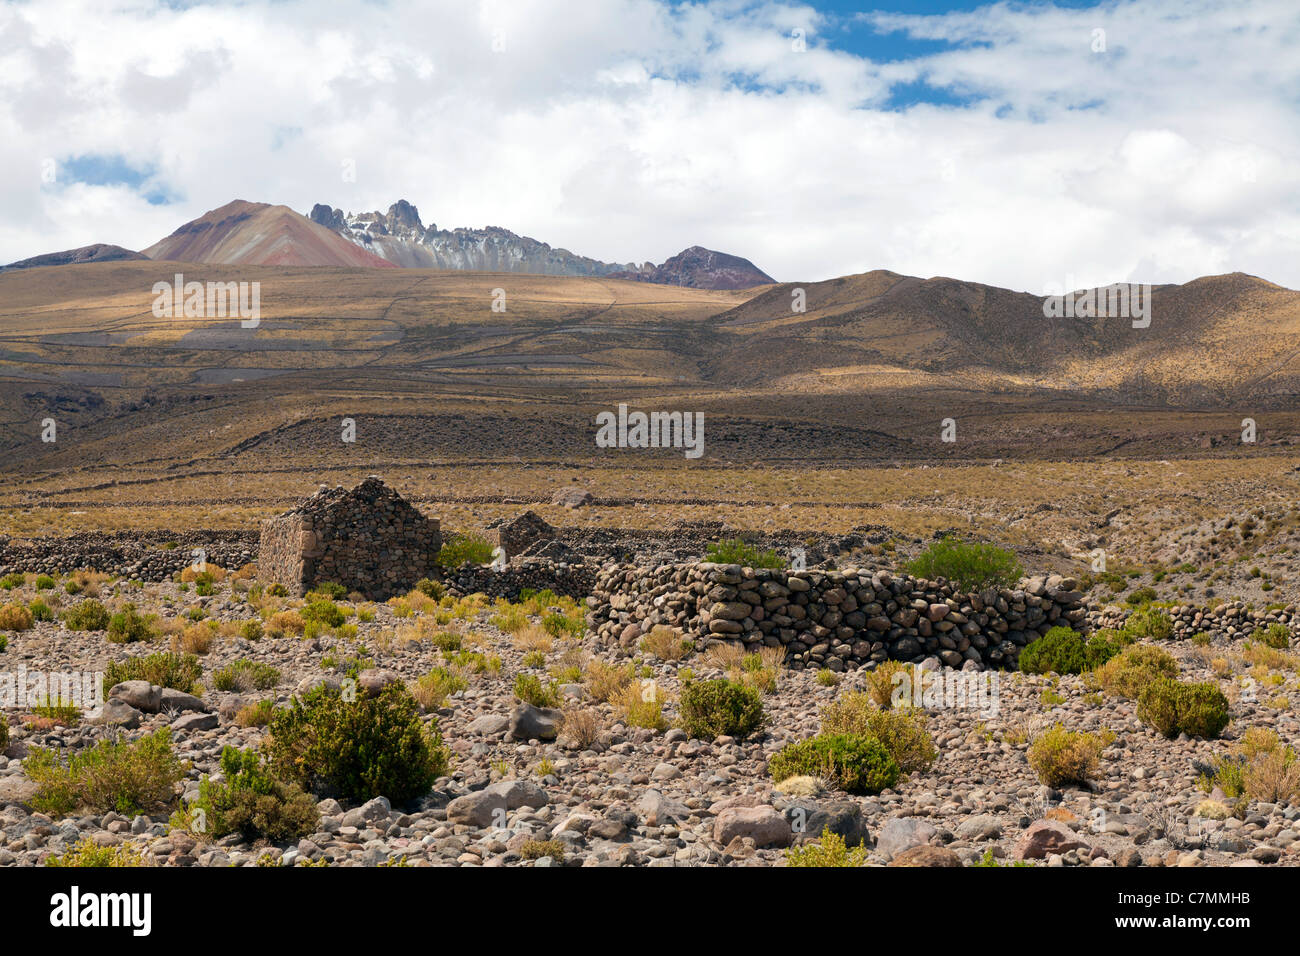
{"points": [[835, 619]]}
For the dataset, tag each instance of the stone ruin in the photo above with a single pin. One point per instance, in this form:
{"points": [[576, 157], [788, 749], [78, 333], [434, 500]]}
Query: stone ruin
{"points": [[368, 539], [515, 535]]}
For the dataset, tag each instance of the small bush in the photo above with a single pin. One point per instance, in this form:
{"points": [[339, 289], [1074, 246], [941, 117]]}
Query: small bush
{"points": [[854, 762], [1134, 668], [1061, 756], [430, 588], [883, 681], [666, 643], [432, 689], [251, 630], [256, 715], [128, 626], [87, 616], [1172, 707], [127, 778], [44, 582], [830, 850], [716, 708], [735, 551], [1276, 636], [13, 580], [177, 671], [41, 611], [605, 681], [1059, 651], [327, 591], [4, 732], [464, 549], [88, 853], [972, 567], [902, 731], [324, 612], [1099, 649], [1150, 623], [536, 849], [15, 617], [245, 675], [639, 705], [250, 802], [530, 689], [358, 749]]}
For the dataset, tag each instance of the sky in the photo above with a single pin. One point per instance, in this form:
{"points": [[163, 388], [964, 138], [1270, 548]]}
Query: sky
{"points": [[1033, 145]]}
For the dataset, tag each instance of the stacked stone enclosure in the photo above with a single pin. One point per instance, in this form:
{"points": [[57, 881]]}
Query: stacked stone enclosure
{"points": [[368, 539], [840, 620], [513, 536]]}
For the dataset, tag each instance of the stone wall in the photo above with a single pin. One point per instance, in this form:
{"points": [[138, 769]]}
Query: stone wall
{"points": [[574, 580], [1227, 622], [368, 539], [835, 619], [140, 555]]}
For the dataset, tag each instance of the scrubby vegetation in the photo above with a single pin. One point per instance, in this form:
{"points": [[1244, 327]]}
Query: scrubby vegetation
{"points": [[854, 762], [1060, 756], [1172, 707], [249, 801], [128, 778], [359, 749], [736, 551], [830, 850], [715, 708], [177, 671], [462, 549], [972, 567]]}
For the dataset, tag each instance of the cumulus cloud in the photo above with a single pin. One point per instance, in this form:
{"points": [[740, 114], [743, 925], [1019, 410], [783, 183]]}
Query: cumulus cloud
{"points": [[1150, 141]]}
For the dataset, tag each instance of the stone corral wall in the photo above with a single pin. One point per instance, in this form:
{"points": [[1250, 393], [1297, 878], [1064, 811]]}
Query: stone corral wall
{"points": [[574, 580], [368, 539], [1232, 621], [834, 619], [140, 555]]}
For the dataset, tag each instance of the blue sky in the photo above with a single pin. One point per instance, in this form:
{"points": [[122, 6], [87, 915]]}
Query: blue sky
{"points": [[1021, 144]]}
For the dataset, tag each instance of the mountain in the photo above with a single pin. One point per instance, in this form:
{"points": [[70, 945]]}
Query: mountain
{"points": [[399, 237], [402, 239], [249, 233], [700, 268], [99, 252], [1212, 340]]}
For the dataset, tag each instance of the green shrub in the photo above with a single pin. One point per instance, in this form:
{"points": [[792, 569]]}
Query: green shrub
{"points": [[854, 762], [1140, 596], [4, 732], [128, 626], [972, 567], [430, 588], [830, 850], [4, 643], [736, 551], [88, 853], [1150, 623], [245, 675], [327, 591], [14, 580], [127, 778], [358, 749], [87, 616], [431, 690], [324, 612], [716, 708], [44, 582], [177, 671], [1061, 756], [1099, 649], [251, 630], [1276, 636], [15, 617], [1134, 668], [530, 689], [462, 549], [41, 611], [902, 730], [1172, 707], [250, 802], [536, 849], [1059, 651]]}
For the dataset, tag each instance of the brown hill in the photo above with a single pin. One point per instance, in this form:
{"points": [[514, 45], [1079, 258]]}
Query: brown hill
{"points": [[248, 233], [99, 252], [1208, 341]]}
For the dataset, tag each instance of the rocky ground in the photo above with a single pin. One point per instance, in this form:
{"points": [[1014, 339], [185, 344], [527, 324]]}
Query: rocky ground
{"points": [[639, 796]]}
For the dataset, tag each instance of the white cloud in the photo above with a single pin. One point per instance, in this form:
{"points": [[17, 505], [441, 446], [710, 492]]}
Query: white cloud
{"points": [[628, 129]]}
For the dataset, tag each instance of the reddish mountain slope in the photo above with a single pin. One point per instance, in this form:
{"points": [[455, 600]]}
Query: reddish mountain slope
{"points": [[248, 233]]}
